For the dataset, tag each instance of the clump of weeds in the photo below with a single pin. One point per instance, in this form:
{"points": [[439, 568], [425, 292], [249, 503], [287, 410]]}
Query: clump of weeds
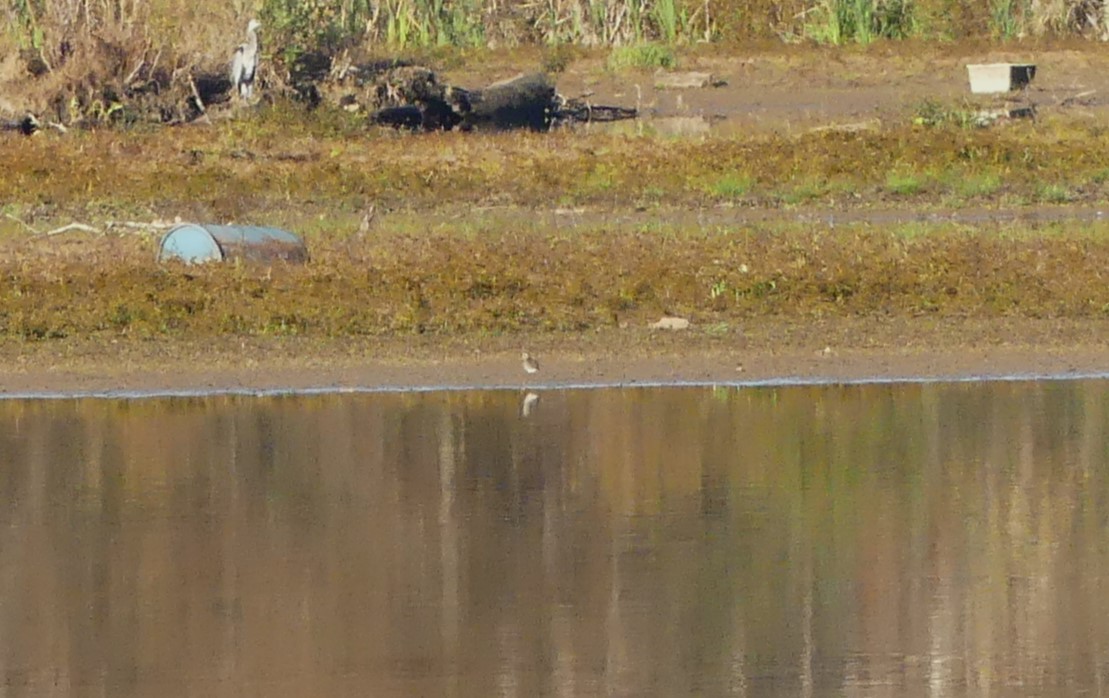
{"points": [[645, 55]]}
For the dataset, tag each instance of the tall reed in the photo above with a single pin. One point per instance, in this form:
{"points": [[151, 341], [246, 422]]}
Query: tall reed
{"points": [[665, 14], [55, 27], [1007, 18], [860, 21], [1068, 16]]}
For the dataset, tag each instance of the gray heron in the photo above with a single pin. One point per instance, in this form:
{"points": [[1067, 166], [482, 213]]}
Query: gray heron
{"points": [[244, 64]]}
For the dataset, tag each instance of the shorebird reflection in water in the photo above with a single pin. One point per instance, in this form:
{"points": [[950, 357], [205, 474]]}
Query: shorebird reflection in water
{"points": [[530, 364], [528, 405]]}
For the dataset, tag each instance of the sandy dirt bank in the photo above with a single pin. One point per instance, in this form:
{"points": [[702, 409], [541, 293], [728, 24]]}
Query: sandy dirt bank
{"points": [[768, 350]]}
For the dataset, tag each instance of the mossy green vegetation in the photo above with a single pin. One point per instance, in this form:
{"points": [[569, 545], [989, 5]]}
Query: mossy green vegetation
{"points": [[540, 276], [276, 163]]}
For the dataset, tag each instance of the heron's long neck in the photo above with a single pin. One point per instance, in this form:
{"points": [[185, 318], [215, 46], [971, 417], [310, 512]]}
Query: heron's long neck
{"points": [[252, 41]]}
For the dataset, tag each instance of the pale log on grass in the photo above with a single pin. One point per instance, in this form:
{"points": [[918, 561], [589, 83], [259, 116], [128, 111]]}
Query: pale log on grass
{"points": [[78, 227]]}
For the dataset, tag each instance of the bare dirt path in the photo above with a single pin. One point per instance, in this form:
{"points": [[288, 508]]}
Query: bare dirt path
{"points": [[788, 91]]}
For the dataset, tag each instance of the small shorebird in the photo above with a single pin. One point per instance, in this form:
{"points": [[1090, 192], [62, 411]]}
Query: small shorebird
{"points": [[530, 364]]}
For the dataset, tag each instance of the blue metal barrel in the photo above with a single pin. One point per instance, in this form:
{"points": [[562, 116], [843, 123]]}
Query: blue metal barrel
{"points": [[194, 243]]}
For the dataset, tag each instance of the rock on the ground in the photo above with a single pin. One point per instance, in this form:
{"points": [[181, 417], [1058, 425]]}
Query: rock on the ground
{"points": [[668, 322]]}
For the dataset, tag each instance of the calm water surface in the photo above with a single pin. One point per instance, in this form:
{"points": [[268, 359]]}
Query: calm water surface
{"points": [[867, 540]]}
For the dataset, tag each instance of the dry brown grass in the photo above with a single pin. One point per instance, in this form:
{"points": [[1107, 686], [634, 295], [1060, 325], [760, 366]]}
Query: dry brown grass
{"points": [[286, 167], [436, 263], [545, 280]]}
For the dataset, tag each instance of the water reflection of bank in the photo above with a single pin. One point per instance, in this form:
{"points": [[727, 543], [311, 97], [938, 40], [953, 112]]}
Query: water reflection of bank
{"points": [[630, 541]]}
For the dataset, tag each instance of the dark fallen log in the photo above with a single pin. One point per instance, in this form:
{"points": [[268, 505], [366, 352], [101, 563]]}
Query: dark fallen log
{"points": [[213, 87], [524, 102], [407, 117], [427, 117], [310, 66], [307, 71], [398, 94], [417, 101], [582, 112], [412, 97], [28, 125]]}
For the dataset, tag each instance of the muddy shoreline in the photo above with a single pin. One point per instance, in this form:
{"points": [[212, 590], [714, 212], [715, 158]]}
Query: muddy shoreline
{"points": [[819, 227], [770, 350]]}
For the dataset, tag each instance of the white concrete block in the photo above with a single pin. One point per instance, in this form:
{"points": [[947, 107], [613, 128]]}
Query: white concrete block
{"points": [[991, 78]]}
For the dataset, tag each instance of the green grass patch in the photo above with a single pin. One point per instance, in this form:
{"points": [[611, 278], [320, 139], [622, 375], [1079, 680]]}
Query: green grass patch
{"points": [[803, 192], [1054, 193], [933, 113], [973, 186], [642, 56], [1100, 176], [730, 186], [901, 183]]}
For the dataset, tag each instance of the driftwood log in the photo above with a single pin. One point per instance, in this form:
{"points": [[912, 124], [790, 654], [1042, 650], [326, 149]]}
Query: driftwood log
{"points": [[526, 102], [403, 95], [28, 125]]}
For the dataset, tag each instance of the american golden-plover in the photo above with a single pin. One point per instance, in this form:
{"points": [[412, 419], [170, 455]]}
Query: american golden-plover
{"points": [[530, 364]]}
